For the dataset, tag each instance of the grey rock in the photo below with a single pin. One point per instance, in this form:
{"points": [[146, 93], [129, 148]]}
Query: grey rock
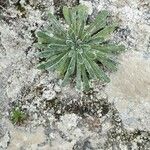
{"points": [[72, 120], [128, 90], [4, 137]]}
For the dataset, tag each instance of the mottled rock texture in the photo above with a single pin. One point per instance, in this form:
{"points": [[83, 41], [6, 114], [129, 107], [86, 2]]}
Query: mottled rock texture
{"points": [[113, 116]]}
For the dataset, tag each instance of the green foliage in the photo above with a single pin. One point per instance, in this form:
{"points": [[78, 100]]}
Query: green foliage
{"points": [[77, 49], [17, 116]]}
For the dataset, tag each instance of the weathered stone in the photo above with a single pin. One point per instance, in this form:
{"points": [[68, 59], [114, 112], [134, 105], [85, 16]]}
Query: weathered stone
{"points": [[27, 140], [71, 120], [4, 137], [129, 90]]}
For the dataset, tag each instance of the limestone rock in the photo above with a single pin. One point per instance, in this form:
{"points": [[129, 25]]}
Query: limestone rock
{"points": [[129, 89]]}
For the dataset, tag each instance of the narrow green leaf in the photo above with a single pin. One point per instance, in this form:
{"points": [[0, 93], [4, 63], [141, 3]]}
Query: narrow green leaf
{"points": [[101, 54], [47, 53], [41, 46], [85, 79], [74, 20], [98, 71], [81, 20], [89, 69], [99, 22], [58, 63], [53, 50], [54, 59], [70, 69], [91, 54], [80, 30], [105, 32], [44, 38], [57, 46], [63, 67], [71, 34], [58, 28], [109, 48], [78, 73], [108, 63], [67, 15], [82, 12], [95, 40]]}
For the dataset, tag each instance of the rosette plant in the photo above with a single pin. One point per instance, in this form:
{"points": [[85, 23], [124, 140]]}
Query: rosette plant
{"points": [[77, 49]]}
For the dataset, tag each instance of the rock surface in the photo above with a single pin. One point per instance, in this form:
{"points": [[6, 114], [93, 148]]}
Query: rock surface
{"points": [[130, 90], [113, 116]]}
